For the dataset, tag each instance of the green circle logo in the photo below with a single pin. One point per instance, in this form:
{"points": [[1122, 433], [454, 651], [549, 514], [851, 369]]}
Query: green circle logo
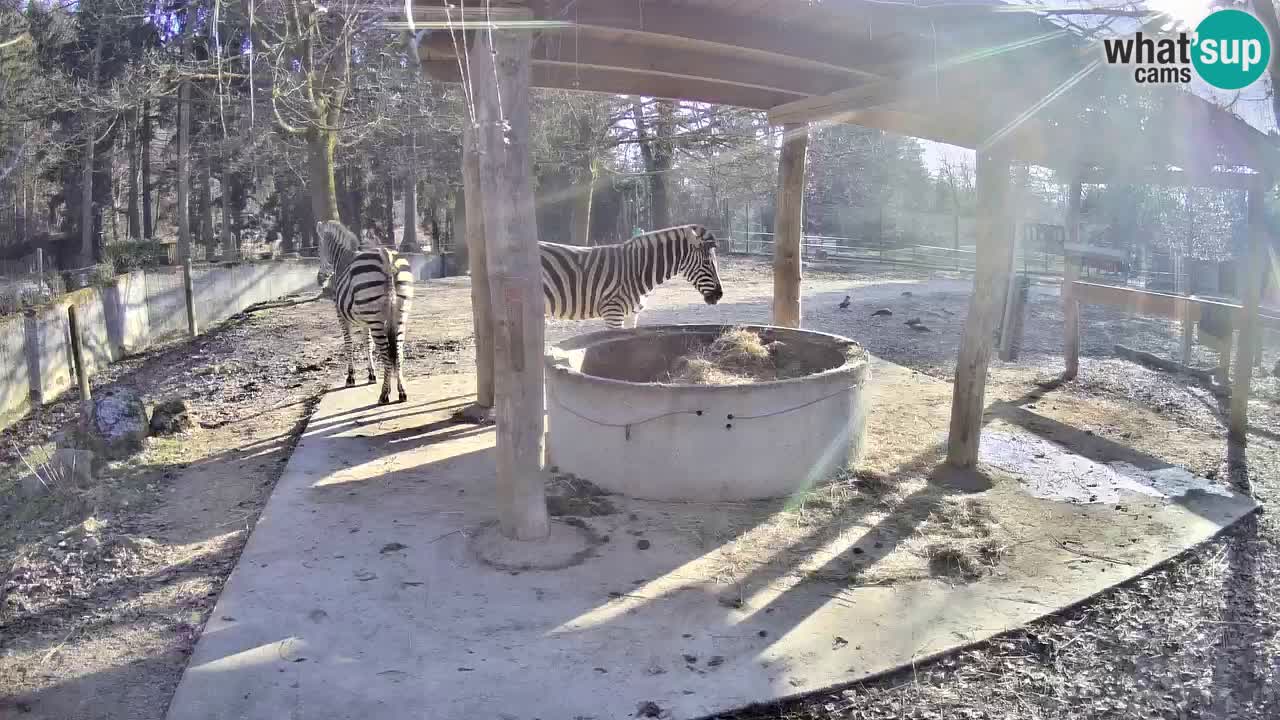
{"points": [[1232, 49]]}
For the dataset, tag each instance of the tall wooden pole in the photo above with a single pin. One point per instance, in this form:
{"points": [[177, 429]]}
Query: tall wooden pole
{"points": [[82, 372], [500, 65], [788, 225], [994, 242], [481, 305], [188, 295], [1251, 277], [1071, 273]]}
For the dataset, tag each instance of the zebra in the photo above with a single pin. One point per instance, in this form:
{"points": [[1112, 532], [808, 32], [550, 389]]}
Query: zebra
{"points": [[612, 281], [372, 289]]}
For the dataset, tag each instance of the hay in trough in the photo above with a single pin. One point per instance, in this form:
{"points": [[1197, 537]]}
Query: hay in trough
{"points": [[737, 357]]}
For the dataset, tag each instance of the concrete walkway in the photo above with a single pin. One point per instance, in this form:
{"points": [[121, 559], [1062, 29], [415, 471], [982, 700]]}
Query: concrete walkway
{"points": [[360, 594]]}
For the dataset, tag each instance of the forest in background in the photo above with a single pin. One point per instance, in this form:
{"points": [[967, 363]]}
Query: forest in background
{"points": [[225, 127]]}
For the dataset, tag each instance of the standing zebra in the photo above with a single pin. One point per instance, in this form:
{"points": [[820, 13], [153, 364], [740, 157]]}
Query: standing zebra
{"points": [[372, 289], [611, 281]]}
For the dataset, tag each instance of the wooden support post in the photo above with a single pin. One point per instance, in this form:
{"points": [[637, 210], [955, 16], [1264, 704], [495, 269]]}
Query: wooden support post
{"points": [[1252, 274], [82, 373], [500, 65], [788, 226], [1188, 334], [481, 301], [1224, 359], [1010, 306], [40, 266], [188, 293], [1071, 273], [994, 239]]}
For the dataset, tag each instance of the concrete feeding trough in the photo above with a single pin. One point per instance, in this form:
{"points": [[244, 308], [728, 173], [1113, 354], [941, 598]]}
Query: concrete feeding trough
{"points": [[616, 418]]}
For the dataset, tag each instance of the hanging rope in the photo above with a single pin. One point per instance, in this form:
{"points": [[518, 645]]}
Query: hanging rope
{"points": [[497, 85], [730, 417]]}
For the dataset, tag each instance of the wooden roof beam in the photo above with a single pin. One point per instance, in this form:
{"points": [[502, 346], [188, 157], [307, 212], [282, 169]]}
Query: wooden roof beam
{"points": [[1175, 178], [620, 82], [767, 35], [589, 51]]}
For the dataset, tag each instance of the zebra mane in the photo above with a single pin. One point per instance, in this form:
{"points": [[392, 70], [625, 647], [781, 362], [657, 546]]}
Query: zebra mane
{"points": [[337, 234]]}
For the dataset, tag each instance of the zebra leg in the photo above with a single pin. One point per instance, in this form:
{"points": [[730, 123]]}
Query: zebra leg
{"points": [[372, 378], [388, 370], [399, 341], [349, 350], [614, 316]]}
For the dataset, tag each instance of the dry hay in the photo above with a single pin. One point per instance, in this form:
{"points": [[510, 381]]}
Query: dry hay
{"points": [[571, 496], [737, 357]]}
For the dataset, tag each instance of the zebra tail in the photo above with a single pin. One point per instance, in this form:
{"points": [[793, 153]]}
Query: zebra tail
{"points": [[391, 308]]}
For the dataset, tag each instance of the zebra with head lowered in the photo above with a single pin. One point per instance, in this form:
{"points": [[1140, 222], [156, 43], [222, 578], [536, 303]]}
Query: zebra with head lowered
{"points": [[612, 281], [372, 289]]}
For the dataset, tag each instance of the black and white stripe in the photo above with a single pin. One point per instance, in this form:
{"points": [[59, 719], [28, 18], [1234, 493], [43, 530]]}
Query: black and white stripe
{"points": [[611, 281], [372, 289]]}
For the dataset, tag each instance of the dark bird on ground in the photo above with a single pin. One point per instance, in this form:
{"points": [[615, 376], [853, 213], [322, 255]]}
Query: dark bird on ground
{"points": [[920, 327], [844, 305], [912, 322], [906, 293], [882, 312]]}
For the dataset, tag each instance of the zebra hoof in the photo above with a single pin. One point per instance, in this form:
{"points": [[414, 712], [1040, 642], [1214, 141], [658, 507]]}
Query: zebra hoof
{"points": [[372, 379], [384, 399], [351, 381], [403, 396]]}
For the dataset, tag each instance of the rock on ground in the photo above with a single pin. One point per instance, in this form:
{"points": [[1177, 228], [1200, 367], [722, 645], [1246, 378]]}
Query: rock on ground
{"points": [[172, 416], [119, 422]]}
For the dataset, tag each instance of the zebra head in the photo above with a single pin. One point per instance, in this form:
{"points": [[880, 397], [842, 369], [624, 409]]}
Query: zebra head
{"points": [[335, 238], [700, 267]]}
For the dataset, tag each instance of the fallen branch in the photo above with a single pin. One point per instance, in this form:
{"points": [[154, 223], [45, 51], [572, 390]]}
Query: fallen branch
{"points": [[1204, 375], [273, 304], [1089, 555]]}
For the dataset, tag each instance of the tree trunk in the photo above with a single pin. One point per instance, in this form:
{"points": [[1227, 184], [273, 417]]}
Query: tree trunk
{"points": [[324, 197], [287, 243], [182, 209], [148, 217], [389, 214], [205, 237], [433, 215], [586, 187], [228, 246], [86, 172], [135, 212], [409, 242], [582, 198], [663, 157], [355, 188]]}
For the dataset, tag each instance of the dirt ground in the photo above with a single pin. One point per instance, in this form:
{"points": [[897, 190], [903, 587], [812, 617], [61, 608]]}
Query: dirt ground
{"points": [[103, 593]]}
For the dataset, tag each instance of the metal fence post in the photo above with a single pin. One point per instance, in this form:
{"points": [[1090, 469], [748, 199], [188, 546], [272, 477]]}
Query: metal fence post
{"points": [[77, 357]]}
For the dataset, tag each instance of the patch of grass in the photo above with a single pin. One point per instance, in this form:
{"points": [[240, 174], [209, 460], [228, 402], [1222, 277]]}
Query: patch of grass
{"points": [[954, 560], [968, 517]]}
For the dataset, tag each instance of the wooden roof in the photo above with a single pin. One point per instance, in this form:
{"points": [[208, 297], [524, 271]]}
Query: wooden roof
{"points": [[966, 72]]}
